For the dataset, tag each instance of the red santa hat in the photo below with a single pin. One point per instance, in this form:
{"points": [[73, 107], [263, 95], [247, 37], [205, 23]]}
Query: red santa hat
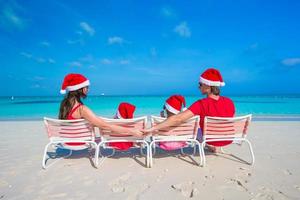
{"points": [[175, 104], [212, 77], [74, 82], [125, 111]]}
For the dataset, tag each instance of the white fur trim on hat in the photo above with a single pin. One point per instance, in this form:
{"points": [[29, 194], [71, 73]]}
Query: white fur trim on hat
{"points": [[171, 109], [63, 91], [211, 83], [76, 87], [119, 115]]}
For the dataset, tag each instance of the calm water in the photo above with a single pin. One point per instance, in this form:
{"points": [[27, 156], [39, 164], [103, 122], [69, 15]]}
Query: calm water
{"points": [[38, 107]]}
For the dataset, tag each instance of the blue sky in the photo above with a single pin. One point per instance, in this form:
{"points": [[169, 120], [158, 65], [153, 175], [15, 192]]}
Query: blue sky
{"points": [[134, 47]]}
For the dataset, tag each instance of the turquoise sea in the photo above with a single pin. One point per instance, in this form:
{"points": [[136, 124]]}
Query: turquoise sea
{"points": [[262, 107]]}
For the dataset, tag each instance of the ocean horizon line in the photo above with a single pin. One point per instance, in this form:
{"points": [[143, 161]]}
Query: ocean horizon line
{"points": [[159, 95], [255, 117]]}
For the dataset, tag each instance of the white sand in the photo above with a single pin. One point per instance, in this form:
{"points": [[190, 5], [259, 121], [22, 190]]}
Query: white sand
{"points": [[275, 174]]}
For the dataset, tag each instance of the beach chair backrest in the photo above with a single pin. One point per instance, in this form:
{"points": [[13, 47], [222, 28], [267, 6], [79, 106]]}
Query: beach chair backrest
{"points": [[226, 127], [186, 130], [135, 123], [64, 130]]}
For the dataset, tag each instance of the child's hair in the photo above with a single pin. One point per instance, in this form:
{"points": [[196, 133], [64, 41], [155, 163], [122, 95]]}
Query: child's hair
{"points": [[69, 101]]}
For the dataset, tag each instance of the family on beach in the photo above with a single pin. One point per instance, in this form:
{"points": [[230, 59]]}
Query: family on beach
{"points": [[76, 87]]}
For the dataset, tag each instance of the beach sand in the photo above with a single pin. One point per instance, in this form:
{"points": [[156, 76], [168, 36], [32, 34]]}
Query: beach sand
{"points": [[275, 174]]}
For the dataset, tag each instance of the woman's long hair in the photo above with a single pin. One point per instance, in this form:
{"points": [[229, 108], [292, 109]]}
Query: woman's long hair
{"points": [[69, 101]]}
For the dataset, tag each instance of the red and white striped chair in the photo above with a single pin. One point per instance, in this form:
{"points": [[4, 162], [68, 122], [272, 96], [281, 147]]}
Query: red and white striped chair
{"points": [[185, 132], [109, 137], [226, 129], [69, 134]]}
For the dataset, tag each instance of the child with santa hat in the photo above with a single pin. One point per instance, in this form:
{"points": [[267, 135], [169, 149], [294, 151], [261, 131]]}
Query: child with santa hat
{"points": [[125, 111], [213, 105], [173, 105], [75, 87]]}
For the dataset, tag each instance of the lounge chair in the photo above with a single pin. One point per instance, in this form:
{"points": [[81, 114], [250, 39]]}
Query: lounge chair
{"points": [[68, 134], [109, 137], [185, 132], [226, 129]]}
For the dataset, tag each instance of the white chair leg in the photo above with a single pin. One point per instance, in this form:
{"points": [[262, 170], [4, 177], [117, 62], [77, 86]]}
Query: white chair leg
{"points": [[182, 152], [70, 153], [101, 161], [104, 147], [95, 156], [144, 144], [203, 154], [45, 154], [222, 150], [150, 154], [147, 154], [195, 148], [98, 153], [112, 154], [251, 151], [141, 149], [200, 152]]}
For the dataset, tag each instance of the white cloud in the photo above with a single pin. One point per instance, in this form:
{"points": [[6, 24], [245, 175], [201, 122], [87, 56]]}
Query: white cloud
{"points": [[75, 64], [27, 55], [168, 12], [45, 44], [80, 34], [38, 59], [106, 61], [52, 61], [291, 61], [115, 40], [9, 16], [87, 28], [79, 41], [183, 30], [124, 62]]}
